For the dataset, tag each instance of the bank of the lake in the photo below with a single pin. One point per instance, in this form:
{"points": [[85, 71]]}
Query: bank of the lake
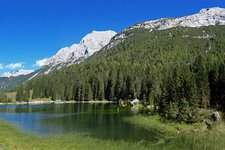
{"points": [[187, 138], [34, 102], [12, 139], [177, 136]]}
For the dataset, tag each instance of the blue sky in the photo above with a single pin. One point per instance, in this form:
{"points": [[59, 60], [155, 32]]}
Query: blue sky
{"points": [[31, 30]]}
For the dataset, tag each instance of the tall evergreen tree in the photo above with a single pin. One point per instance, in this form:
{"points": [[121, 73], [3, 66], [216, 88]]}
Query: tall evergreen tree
{"points": [[20, 94]]}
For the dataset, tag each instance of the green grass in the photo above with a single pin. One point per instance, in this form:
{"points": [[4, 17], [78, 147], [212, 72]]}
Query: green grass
{"points": [[187, 139], [179, 136], [11, 96], [12, 139], [165, 127]]}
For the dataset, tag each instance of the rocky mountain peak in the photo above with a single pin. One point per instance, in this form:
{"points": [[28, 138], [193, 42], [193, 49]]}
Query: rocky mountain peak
{"points": [[90, 44], [206, 17]]}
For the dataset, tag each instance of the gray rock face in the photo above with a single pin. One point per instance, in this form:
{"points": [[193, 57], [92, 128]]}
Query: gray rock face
{"points": [[206, 17], [76, 53]]}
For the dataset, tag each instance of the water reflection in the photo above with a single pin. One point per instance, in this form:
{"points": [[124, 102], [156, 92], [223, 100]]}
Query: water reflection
{"points": [[99, 120]]}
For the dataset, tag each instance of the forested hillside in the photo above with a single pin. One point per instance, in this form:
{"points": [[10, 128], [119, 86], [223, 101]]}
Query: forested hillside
{"points": [[178, 70]]}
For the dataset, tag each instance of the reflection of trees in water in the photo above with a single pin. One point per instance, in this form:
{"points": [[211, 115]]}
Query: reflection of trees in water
{"points": [[98, 120]]}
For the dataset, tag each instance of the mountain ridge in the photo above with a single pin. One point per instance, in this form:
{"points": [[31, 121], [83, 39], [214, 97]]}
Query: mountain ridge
{"points": [[206, 17], [17, 73], [76, 53]]}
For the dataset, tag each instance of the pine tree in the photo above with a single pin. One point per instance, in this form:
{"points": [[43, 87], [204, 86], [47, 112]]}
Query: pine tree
{"points": [[202, 81], [20, 94], [151, 98], [26, 95]]}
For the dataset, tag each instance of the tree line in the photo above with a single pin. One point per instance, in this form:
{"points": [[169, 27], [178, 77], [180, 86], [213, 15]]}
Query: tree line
{"points": [[177, 73]]}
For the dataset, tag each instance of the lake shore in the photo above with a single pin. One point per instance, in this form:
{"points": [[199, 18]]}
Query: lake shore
{"points": [[37, 102], [13, 139], [186, 139]]}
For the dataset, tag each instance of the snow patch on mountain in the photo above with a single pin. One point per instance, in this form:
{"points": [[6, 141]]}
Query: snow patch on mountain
{"points": [[17, 73], [206, 17], [76, 53]]}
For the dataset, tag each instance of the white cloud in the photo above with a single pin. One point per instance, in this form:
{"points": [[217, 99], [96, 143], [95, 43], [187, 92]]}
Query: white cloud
{"points": [[14, 66], [17, 73], [41, 62], [1, 66]]}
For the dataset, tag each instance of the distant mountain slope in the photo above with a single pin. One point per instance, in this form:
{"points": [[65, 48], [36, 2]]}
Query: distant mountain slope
{"points": [[7, 83], [17, 73]]}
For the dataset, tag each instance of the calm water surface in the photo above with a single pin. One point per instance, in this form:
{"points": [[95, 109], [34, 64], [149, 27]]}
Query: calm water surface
{"points": [[103, 121]]}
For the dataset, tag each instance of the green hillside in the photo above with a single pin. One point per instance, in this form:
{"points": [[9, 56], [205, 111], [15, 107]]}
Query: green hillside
{"points": [[178, 70]]}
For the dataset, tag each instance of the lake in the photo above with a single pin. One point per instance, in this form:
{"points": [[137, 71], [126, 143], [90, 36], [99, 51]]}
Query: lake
{"points": [[104, 121]]}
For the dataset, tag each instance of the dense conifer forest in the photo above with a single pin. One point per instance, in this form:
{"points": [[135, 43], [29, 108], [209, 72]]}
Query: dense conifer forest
{"points": [[179, 71]]}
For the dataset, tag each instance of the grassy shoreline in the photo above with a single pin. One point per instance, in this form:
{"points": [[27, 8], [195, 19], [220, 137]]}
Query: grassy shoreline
{"points": [[178, 136], [187, 138], [12, 139], [57, 102], [166, 127]]}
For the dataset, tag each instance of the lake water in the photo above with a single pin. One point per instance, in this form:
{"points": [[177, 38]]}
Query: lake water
{"points": [[103, 121]]}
